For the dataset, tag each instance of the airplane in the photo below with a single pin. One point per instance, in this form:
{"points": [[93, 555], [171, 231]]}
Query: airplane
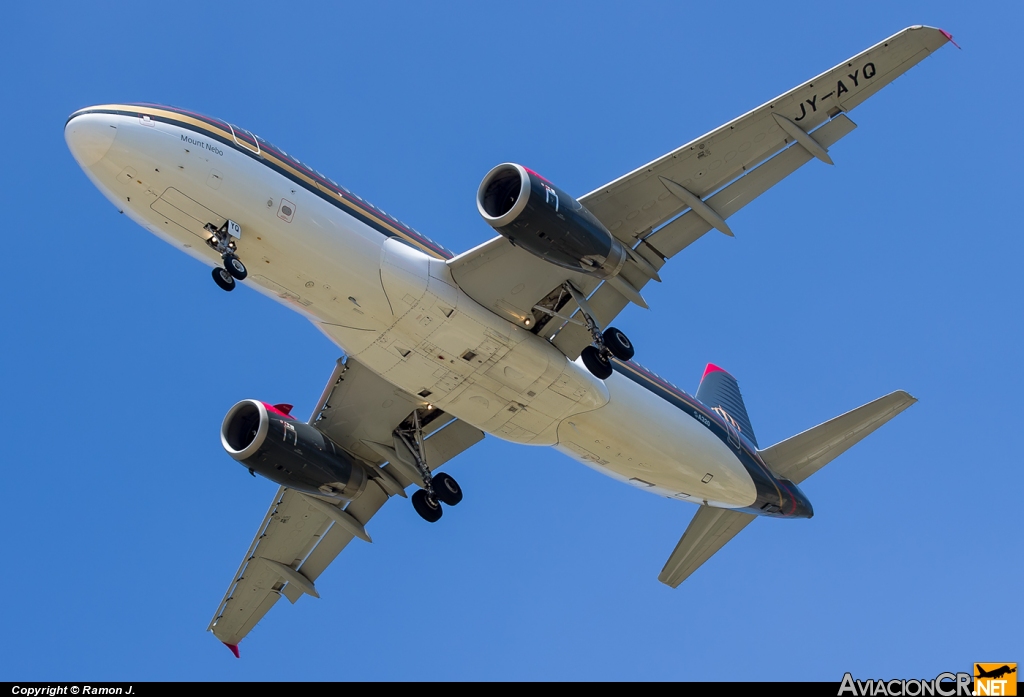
{"points": [[512, 338]]}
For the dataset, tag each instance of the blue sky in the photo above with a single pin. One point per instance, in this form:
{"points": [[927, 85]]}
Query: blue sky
{"points": [[899, 268]]}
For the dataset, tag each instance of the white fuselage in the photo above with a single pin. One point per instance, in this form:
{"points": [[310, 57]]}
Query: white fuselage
{"points": [[398, 311]]}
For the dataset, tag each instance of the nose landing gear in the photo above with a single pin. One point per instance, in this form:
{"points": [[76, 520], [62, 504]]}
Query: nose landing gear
{"points": [[223, 241], [223, 279]]}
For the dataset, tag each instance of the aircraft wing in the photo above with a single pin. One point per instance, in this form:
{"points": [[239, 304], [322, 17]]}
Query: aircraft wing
{"points": [[302, 534], [706, 180], [707, 533]]}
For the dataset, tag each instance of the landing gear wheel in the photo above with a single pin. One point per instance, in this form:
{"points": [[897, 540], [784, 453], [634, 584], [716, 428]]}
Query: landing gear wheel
{"points": [[428, 508], [223, 279], [596, 362], [446, 489], [618, 344], [235, 267]]}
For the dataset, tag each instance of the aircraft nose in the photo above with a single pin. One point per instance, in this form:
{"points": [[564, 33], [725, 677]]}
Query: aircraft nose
{"points": [[89, 137]]}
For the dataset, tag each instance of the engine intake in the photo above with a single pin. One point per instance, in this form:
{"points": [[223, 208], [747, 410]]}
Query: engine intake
{"points": [[536, 215], [289, 452]]}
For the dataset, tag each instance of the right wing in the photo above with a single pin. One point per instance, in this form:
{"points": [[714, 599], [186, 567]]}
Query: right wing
{"points": [[706, 181], [638, 202], [302, 534]]}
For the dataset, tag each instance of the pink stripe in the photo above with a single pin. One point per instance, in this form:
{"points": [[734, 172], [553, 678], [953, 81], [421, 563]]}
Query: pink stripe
{"points": [[271, 407]]}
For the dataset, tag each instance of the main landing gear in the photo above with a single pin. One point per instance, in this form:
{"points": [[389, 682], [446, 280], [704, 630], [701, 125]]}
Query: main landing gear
{"points": [[611, 343], [223, 241], [437, 488]]}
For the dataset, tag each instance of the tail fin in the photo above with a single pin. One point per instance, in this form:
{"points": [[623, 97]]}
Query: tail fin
{"points": [[720, 389], [799, 457]]}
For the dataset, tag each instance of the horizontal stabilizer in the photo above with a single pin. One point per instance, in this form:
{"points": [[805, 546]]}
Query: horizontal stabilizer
{"points": [[795, 458], [799, 457], [707, 533]]}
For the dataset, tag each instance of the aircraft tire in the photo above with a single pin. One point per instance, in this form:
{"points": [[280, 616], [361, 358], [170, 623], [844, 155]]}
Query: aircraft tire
{"points": [[618, 344], [223, 279], [428, 508], [596, 363], [447, 489], [235, 267]]}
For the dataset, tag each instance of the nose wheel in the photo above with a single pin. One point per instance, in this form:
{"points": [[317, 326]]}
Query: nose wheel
{"points": [[223, 241], [235, 267], [223, 279]]}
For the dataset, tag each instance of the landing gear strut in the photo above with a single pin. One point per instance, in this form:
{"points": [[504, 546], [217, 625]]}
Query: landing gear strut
{"points": [[437, 489], [223, 241], [608, 344]]}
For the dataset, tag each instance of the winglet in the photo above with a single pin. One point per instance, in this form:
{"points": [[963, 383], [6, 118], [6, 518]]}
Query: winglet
{"points": [[949, 37], [233, 647]]}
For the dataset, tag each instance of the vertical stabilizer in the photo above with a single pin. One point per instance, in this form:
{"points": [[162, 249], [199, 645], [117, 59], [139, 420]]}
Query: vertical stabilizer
{"points": [[720, 389]]}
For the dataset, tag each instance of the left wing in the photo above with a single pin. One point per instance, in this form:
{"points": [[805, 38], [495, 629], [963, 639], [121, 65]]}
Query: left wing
{"points": [[302, 534], [706, 180]]}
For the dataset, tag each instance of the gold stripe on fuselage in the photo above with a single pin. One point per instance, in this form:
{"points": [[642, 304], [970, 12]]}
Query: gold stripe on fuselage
{"points": [[228, 135]]}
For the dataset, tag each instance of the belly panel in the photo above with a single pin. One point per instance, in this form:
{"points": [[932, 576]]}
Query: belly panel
{"points": [[639, 438]]}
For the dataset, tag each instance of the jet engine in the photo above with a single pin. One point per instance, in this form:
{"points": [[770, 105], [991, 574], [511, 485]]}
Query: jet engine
{"points": [[294, 454], [536, 215]]}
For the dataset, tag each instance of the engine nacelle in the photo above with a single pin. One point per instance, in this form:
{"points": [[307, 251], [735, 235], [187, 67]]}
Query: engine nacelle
{"points": [[536, 215], [289, 452]]}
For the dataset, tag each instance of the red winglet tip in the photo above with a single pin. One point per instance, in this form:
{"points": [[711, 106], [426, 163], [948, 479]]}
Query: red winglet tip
{"points": [[949, 37], [233, 647], [712, 368]]}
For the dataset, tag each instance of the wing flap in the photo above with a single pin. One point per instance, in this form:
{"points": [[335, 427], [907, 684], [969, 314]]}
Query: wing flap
{"points": [[337, 538], [689, 227], [799, 457], [289, 531], [671, 239], [707, 533]]}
